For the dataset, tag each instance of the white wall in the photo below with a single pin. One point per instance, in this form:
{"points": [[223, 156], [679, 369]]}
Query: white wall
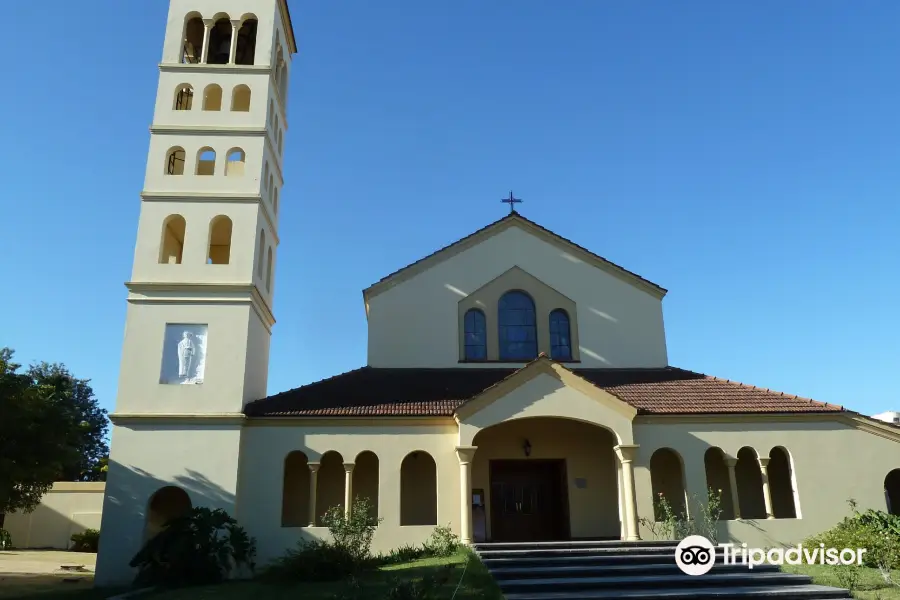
{"points": [[68, 508], [415, 323]]}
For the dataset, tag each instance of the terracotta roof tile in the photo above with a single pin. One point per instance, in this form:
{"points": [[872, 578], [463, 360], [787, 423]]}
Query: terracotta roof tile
{"points": [[373, 392]]}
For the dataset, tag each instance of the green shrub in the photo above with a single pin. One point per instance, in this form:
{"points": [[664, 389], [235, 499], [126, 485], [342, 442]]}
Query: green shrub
{"points": [[876, 531], [87, 541], [201, 547], [353, 534], [443, 542], [404, 554], [425, 588], [5, 540]]}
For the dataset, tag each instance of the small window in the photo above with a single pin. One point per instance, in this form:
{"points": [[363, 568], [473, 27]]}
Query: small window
{"points": [[269, 271], [219, 252], [240, 99], [212, 97], [271, 113], [475, 335], [175, 161], [518, 333], [235, 162], [184, 97], [219, 49], [260, 253], [560, 338], [280, 150], [246, 42], [275, 202], [194, 30], [206, 161], [171, 245]]}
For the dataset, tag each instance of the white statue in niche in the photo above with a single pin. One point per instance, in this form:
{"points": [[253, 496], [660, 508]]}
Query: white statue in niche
{"points": [[184, 354]]}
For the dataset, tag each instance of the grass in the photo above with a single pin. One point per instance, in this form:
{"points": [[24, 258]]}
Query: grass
{"points": [[67, 586], [475, 584], [870, 586]]}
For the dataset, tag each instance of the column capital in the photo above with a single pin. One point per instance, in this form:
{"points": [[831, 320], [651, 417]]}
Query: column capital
{"points": [[348, 467], [626, 452], [465, 454], [313, 466], [209, 22], [764, 462]]}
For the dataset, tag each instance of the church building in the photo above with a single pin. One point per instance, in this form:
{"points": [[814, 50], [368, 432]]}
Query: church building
{"points": [[534, 402]]}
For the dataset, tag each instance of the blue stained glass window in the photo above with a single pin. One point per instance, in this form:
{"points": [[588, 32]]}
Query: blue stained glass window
{"points": [[475, 335], [518, 333], [560, 339]]}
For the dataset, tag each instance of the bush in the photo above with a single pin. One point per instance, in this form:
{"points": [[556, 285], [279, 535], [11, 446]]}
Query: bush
{"points": [[5, 540], [353, 535], [443, 542], [202, 547], [404, 554], [87, 541], [876, 531]]}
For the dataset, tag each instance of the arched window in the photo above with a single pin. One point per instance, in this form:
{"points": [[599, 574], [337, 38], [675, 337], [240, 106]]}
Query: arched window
{"points": [[175, 161], [271, 113], [219, 48], [781, 484], [560, 338], [240, 98], [277, 128], [275, 202], [667, 482], [184, 97], [365, 479], [167, 503], [475, 335], [718, 481], [892, 492], [269, 187], [749, 484], [219, 252], [206, 161], [329, 484], [269, 271], [280, 147], [276, 65], [418, 489], [246, 42], [295, 491], [235, 161], [171, 245], [212, 97], [260, 254], [282, 81], [265, 174], [518, 334], [194, 29]]}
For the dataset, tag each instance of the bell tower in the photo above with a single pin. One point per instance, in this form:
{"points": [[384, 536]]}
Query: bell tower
{"points": [[200, 296]]}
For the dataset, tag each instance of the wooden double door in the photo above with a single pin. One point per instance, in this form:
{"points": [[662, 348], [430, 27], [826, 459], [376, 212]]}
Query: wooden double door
{"points": [[529, 500]]}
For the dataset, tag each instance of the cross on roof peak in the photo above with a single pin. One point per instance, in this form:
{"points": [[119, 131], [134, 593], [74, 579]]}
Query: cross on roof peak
{"points": [[512, 201]]}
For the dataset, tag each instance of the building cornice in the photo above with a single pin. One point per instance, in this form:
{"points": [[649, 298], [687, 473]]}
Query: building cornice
{"points": [[209, 68], [205, 197], [177, 418], [300, 421], [207, 130], [206, 293]]}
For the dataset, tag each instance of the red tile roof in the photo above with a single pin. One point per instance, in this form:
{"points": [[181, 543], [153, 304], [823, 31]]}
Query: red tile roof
{"points": [[373, 392]]}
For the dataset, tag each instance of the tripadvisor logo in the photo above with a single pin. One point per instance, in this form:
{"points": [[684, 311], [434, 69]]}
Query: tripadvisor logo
{"points": [[696, 555]]}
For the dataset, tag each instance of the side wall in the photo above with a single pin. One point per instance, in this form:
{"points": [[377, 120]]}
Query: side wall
{"points": [[832, 462], [68, 508]]}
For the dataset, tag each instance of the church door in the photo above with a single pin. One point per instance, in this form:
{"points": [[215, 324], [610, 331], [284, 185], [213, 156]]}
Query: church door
{"points": [[528, 500]]}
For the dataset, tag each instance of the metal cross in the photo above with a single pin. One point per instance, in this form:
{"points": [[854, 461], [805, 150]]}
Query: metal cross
{"points": [[512, 202]]}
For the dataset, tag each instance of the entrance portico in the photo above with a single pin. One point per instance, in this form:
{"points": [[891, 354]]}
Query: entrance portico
{"points": [[544, 454]]}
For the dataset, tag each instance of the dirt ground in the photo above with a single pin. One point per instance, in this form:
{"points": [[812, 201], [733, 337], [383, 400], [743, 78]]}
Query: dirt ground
{"points": [[26, 572]]}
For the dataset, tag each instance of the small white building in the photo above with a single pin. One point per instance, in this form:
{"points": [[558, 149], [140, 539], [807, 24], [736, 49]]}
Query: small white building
{"points": [[517, 385], [891, 416]]}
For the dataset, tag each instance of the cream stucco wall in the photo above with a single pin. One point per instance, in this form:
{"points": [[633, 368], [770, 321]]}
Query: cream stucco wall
{"points": [[68, 508], [619, 325]]}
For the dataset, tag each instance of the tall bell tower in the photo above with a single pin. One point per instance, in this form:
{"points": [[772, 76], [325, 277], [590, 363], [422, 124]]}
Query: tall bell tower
{"points": [[200, 297]]}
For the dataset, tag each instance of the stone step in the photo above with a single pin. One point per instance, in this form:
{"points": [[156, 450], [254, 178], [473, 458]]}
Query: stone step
{"points": [[562, 560], [575, 544], [529, 551], [658, 582], [799, 592], [592, 570]]}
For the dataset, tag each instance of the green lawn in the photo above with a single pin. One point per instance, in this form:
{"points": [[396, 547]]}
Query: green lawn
{"points": [[871, 585], [50, 587], [477, 583]]}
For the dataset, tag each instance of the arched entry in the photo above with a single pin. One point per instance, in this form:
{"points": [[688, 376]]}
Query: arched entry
{"points": [[544, 478], [892, 492], [169, 502]]}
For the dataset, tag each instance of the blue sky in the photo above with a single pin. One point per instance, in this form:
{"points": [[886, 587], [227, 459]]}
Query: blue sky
{"points": [[742, 155]]}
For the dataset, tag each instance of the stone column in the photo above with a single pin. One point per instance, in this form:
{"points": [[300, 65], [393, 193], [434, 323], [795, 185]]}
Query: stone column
{"points": [[232, 52], [348, 488], [313, 475], [207, 27], [465, 454], [732, 484], [767, 492], [626, 454]]}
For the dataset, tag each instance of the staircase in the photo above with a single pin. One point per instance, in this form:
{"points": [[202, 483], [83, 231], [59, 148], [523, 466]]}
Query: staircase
{"points": [[632, 571]]}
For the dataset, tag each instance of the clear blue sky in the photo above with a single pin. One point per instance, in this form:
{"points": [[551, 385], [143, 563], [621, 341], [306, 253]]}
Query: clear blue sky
{"points": [[743, 155]]}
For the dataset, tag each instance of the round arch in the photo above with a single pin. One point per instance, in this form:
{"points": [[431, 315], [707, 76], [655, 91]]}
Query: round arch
{"points": [[892, 492], [166, 503], [667, 482], [418, 489]]}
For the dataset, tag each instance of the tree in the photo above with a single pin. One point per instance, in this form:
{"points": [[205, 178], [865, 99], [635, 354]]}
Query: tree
{"points": [[52, 429]]}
